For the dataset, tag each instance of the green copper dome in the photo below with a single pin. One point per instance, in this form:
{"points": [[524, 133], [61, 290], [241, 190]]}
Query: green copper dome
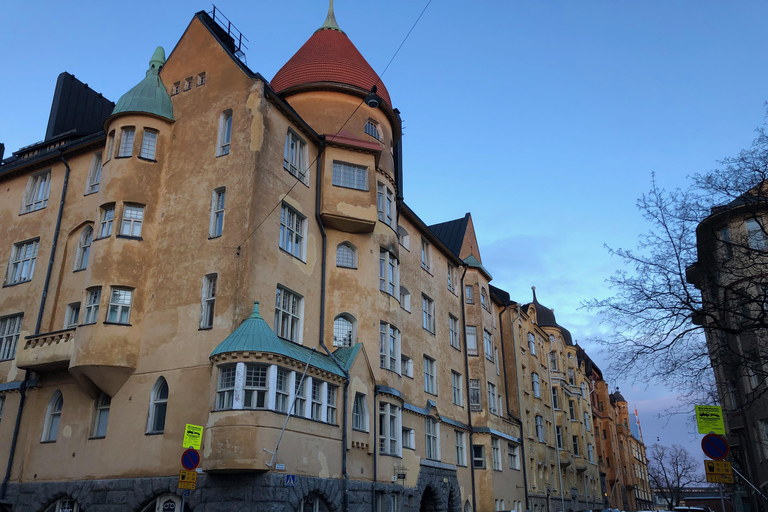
{"points": [[148, 96], [254, 335]]}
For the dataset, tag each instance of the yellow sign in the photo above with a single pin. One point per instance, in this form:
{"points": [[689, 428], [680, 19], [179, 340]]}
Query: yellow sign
{"points": [[718, 467], [193, 436], [709, 418], [187, 479], [720, 479]]}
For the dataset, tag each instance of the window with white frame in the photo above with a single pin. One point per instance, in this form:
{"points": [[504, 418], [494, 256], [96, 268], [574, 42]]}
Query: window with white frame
{"points": [[497, 360], [428, 313], [225, 394], [586, 421], [53, 417], [451, 278], [92, 299], [101, 416], [388, 272], [575, 445], [583, 390], [294, 156], [72, 315], [469, 294], [539, 428], [360, 413], [111, 145], [572, 409], [255, 387], [133, 217], [22, 261], [120, 306], [385, 200], [590, 453], [488, 345], [457, 388], [350, 176], [475, 399], [461, 447], [216, 227], [409, 438], [430, 376], [555, 398], [571, 377], [389, 347], [492, 399], [84, 248], [300, 392], [208, 301], [513, 456], [496, 453], [330, 404], [432, 438], [127, 135], [553, 360], [148, 144], [37, 192], [225, 133], [389, 429], [426, 257], [372, 129], [65, 505], [107, 218], [282, 391], [471, 340], [535, 385], [288, 313], [405, 299], [498, 404], [404, 238], [483, 298], [316, 408], [559, 437], [10, 329], [478, 456], [453, 328], [158, 405], [755, 234], [94, 175], [346, 255], [532, 343], [292, 226], [344, 330]]}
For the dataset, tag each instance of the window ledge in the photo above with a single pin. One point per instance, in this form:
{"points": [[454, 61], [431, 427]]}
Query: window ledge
{"points": [[124, 156], [360, 430], [147, 159], [367, 189], [78, 270], [117, 323], [393, 455], [430, 332], [8, 285], [344, 266], [291, 254], [83, 325], [48, 441], [91, 193], [213, 237], [221, 154], [32, 211], [102, 238], [96, 437], [128, 237], [154, 433], [205, 328], [437, 464]]}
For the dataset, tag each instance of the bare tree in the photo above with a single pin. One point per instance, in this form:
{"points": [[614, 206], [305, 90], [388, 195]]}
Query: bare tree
{"points": [[670, 471]]}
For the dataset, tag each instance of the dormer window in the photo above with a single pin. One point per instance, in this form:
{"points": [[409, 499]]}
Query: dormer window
{"points": [[372, 129]]}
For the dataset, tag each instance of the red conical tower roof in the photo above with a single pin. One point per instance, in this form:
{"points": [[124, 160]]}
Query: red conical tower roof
{"points": [[329, 57]]}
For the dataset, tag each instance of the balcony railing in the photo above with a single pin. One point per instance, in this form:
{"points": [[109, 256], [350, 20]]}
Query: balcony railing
{"points": [[47, 351]]}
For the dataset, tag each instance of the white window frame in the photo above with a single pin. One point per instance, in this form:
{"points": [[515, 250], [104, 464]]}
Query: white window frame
{"points": [[460, 439], [492, 399], [430, 375], [10, 330], [483, 298], [360, 413], [72, 315], [535, 385], [316, 388], [488, 344], [555, 398], [295, 156], [590, 453], [404, 238], [553, 360], [344, 334], [107, 220], [225, 390], [37, 192], [293, 317], [431, 438], [409, 438], [120, 305], [390, 429], [513, 456], [346, 255], [208, 301], [389, 272], [224, 143], [426, 256], [21, 266], [469, 297], [372, 128], [94, 175], [405, 299], [110, 145], [282, 390], [132, 220], [478, 456], [559, 436], [586, 421], [428, 313], [149, 144], [92, 301], [532, 343], [127, 136], [293, 232], [496, 454], [539, 422], [218, 201], [451, 276], [389, 347], [84, 248], [348, 175], [101, 416], [53, 417], [331, 392], [385, 203], [453, 328], [406, 365], [475, 396], [457, 388], [157, 404], [471, 334]]}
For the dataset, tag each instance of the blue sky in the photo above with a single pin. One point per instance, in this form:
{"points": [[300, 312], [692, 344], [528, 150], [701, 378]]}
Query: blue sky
{"points": [[543, 119]]}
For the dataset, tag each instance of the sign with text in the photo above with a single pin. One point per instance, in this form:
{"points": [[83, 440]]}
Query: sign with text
{"points": [[718, 471], [193, 436], [187, 479], [709, 418]]}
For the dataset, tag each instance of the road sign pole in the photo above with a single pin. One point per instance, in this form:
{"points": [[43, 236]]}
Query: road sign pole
{"points": [[184, 501], [722, 500], [750, 484]]}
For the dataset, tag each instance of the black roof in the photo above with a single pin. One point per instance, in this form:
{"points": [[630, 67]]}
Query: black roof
{"points": [[501, 295], [545, 317], [451, 233], [76, 107]]}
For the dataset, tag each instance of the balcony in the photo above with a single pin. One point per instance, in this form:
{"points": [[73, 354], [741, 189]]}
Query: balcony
{"points": [[566, 459], [46, 352]]}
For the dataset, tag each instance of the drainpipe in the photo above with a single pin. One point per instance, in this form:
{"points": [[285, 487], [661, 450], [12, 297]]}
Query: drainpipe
{"points": [[466, 371], [318, 177], [515, 342], [375, 450], [25, 382], [554, 420]]}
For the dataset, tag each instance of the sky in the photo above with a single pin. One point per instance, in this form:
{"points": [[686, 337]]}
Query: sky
{"points": [[543, 119]]}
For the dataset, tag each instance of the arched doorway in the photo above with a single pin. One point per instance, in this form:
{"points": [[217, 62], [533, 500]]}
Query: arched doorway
{"points": [[429, 501]]}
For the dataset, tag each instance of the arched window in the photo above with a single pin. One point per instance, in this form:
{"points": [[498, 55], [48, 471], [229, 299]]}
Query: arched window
{"points": [[404, 237], [346, 255], [53, 417], [64, 505], [101, 416], [405, 298], [344, 330], [165, 502], [157, 407], [467, 506], [84, 248]]}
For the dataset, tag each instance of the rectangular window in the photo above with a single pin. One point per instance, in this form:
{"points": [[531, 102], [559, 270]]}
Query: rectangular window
{"points": [[101, 417], [72, 315], [540, 428], [488, 345], [217, 213], [107, 217], [428, 313], [209, 301], [148, 144], [389, 346], [10, 329], [282, 392], [350, 176], [457, 388], [432, 435], [225, 394], [430, 385], [755, 234], [478, 456], [330, 404], [120, 306], [492, 399], [360, 413], [288, 312], [451, 278], [316, 411], [385, 201], [496, 454], [294, 160], [300, 401], [453, 327], [38, 190], [292, 225], [94, 176], [200, 79], [586, 421], [175, 88], [389, 431], [590, 454], [133, 217], [571, 377], [553, 360], [475, 401], [555, 398], [406, 366], [471, 340], [111, 145], [187, 83], [92, 305], [225, 133], [409, 438], [126, 141], [575, 445], [461, 451], [22, 262], [532, 343], [468, 295], [559, 437], [388, 272], [426, 257], [513, 456]]}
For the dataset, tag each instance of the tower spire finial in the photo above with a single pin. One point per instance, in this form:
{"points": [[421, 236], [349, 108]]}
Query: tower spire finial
{"points": [[330, 20]]}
